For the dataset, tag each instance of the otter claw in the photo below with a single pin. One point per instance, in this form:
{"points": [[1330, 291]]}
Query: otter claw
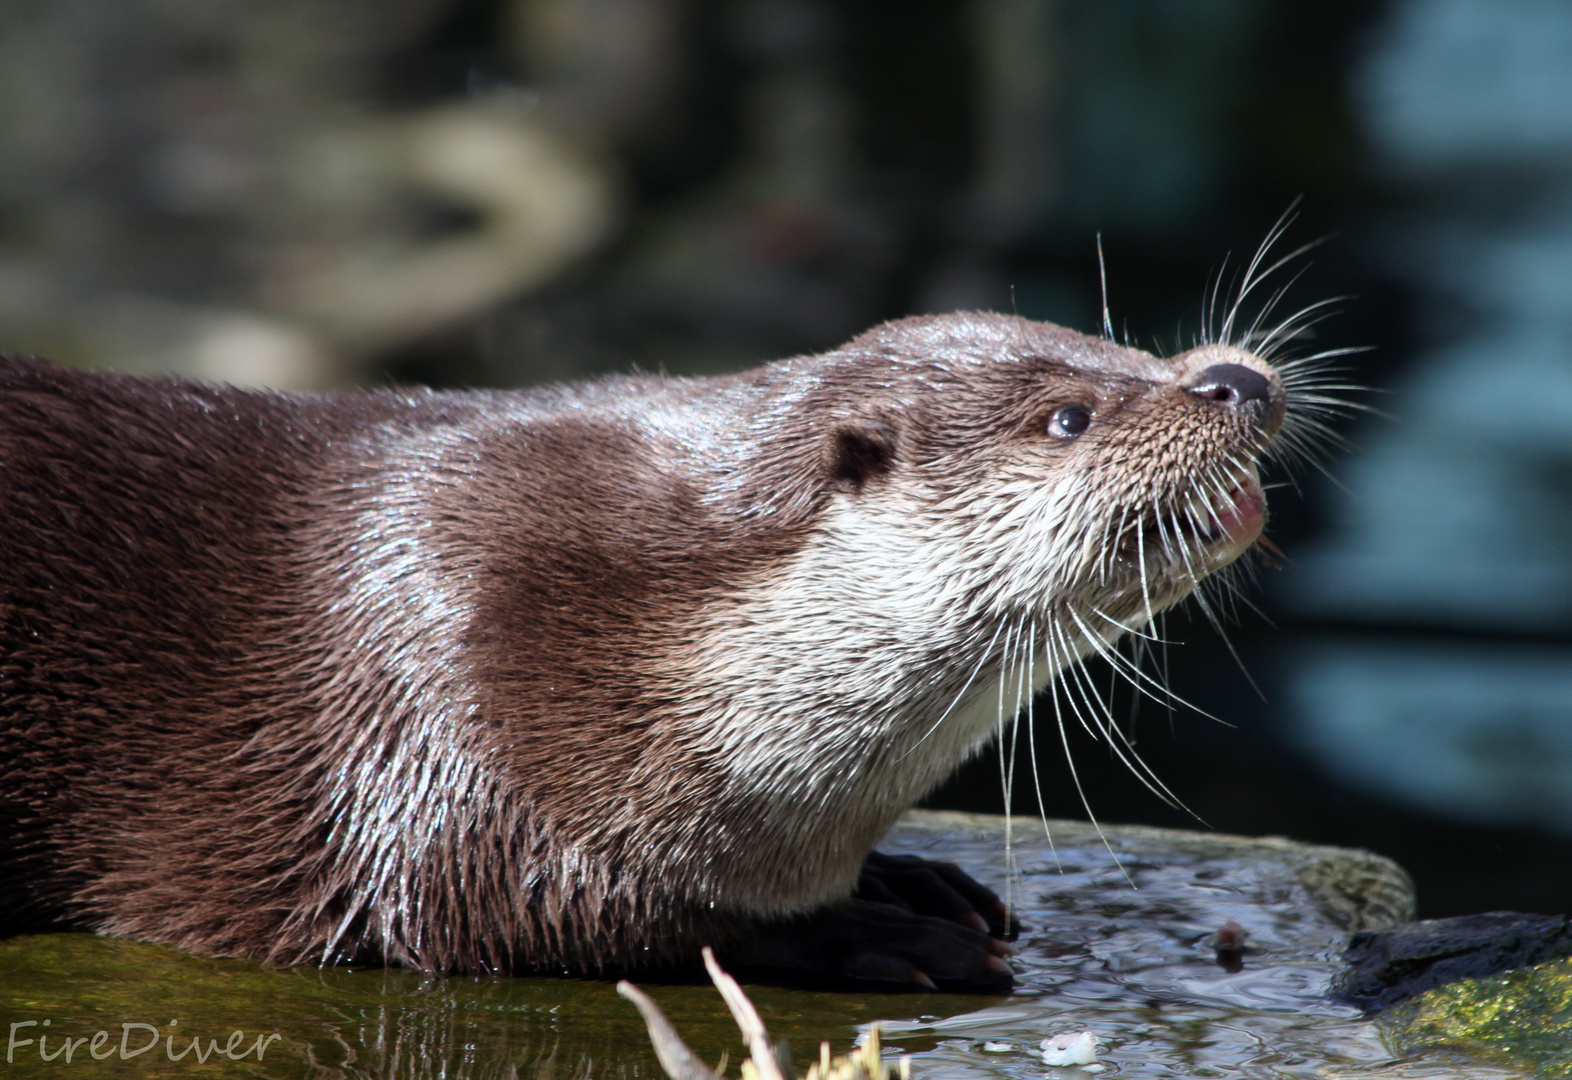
{"points": [[928, 887]]}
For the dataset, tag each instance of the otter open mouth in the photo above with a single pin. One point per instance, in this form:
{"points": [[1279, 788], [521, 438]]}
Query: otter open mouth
{"points": [[1232, 518], [1210, 521]]}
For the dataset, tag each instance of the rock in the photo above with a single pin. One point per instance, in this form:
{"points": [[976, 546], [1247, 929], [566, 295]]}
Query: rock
{"points": [[1517, 1020], [1400, 962], [1122, 937]]}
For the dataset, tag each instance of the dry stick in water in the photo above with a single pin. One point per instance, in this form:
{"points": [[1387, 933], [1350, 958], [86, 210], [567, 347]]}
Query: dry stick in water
{"points": [[681, 1063]]}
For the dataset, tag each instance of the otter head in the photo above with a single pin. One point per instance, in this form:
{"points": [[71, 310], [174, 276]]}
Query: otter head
{"points": [[997, 499], [1031, 472]]}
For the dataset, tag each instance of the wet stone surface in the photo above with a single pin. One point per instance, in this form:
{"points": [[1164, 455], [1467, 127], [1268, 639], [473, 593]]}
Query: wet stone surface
{"points": [[1124, 943], [1138, 967], [1390, 966]]}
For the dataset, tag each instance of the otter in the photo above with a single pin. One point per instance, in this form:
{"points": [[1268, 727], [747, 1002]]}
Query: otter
{"points": [[583, 678]]}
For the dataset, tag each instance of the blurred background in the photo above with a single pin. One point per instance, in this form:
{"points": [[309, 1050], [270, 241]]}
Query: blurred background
{"points": [[327, 193]]}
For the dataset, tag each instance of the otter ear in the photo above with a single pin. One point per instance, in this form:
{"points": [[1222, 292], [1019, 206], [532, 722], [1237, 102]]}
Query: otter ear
{"points": [[860, 452]]}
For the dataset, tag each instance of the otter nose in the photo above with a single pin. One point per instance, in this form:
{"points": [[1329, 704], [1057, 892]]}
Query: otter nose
{"points": [[1233, 385]]}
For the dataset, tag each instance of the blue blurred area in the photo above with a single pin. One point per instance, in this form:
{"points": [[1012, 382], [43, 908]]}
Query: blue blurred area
{"points": [[1458, 515], [1479, 732], [1469, 85]]}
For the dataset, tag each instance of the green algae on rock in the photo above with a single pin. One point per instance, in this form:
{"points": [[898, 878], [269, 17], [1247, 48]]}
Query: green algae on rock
{"points": [[1520, 1019]]}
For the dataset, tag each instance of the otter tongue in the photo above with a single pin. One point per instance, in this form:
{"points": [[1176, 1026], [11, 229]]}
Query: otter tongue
{"points": [[1240, 511]]}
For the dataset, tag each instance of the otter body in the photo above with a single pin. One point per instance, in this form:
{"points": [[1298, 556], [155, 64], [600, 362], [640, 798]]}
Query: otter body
{"points": [[577, 679]]}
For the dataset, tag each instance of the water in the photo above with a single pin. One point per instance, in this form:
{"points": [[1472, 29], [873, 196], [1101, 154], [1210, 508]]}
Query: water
{"points": [[1137, 966]]}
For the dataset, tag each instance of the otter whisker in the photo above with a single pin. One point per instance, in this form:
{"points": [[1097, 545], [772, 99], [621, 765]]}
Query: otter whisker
{"points": [[1292, 368], [1302, 448], [1191, 553], [1063, 663], [1116, 664], [1225, 581], [1099, 722], [1176, 545], [1137, 658], [1163, 652], [1211, 615], [1209, 296], [982, 659], [1102, 277], [1331, 407], [1031, 748], [1026, 642], [1166, 542], [1223, 593], [1253, 278], [1070, 674], [1220, 629], [1251, 338], [1139, 680], [1300, 443], [1007, 759], [1312, 423], [1109, 543], [1306, 388], [1125, 628], [1295, 326], [1140, 558]]}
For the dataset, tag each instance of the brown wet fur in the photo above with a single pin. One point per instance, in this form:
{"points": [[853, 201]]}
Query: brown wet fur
{"points": [[185, 665]]}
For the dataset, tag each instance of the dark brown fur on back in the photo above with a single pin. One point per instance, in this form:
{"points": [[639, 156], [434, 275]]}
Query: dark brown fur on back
{"points": [[180, 669]]}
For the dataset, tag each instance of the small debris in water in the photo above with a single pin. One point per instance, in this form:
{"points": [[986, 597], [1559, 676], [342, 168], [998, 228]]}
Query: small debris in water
{"points": [[1231, 948], [1070, 1048], [998, 1047]]}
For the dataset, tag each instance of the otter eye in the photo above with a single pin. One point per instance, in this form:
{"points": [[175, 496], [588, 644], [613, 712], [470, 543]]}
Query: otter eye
{"points": [[1070, 421]]}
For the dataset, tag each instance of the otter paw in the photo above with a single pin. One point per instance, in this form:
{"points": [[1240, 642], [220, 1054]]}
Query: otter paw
{"points": [[866, 942], [933, 888]]}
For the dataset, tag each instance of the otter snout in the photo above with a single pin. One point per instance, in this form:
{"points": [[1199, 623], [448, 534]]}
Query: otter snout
{"points": [[1243, 389], [1233, 385]]}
